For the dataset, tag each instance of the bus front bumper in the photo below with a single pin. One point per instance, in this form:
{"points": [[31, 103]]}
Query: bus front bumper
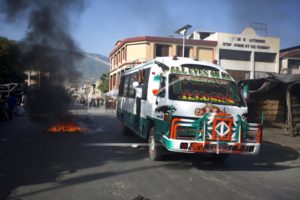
{"points": [[192, 146]]}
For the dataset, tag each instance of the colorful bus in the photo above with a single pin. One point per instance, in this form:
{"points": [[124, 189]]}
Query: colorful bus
{"points": [[188, 106]]}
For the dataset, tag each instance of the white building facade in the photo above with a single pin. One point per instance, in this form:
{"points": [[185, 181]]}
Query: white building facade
{"points": [[246, 55]]}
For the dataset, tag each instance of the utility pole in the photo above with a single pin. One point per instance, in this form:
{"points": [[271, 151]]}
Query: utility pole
{"points": [[182, 31]]}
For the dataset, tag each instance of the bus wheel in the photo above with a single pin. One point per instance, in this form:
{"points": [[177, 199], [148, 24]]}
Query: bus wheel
{"points": [[155, 150]]}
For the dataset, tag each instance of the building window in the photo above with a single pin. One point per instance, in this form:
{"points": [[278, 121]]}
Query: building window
{"points": [[125, 54], [264, 57], [122, 54], [293, 63], [235, 55], [110, 82], [119, 57], [186, 51], [161, 50], [111, 63], [293, 66], [114, 80]]}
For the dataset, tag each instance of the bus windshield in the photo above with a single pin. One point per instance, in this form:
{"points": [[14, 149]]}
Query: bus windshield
{"points": [[204, 89]]}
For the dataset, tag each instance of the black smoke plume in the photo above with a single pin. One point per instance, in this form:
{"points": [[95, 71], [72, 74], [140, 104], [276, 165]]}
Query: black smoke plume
{"points": [[47, 48]]}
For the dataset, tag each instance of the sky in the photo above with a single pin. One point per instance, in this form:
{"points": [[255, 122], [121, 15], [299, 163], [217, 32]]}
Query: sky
{"points": [[103, 22]]}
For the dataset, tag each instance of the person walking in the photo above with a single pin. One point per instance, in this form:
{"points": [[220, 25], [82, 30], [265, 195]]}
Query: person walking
{"points": [[24, 100], [3, 108], [12, 103]]}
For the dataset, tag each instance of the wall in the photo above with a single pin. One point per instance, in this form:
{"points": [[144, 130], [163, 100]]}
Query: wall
{"points": [[205, 54], [271, 103], [137, 51]]}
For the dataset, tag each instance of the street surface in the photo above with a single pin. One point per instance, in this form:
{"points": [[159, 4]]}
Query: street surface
{"points": [[39, 165]]}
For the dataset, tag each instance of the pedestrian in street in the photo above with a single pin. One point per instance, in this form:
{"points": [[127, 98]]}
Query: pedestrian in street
{"points": [[97, 96], [12, 103], [24, 100], [90, 99], [3, 108]]}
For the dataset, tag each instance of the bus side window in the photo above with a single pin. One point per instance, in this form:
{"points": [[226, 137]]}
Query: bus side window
{"points": [[125, 90], [131, 91], [162, 87], [121, 87], [145, 83]]}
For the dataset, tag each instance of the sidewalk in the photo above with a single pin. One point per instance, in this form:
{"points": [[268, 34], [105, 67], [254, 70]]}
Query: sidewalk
{"points": [[276, 135]]}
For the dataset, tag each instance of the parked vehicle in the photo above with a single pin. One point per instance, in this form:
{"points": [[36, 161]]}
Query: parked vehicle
{"points": [[186, 106]]}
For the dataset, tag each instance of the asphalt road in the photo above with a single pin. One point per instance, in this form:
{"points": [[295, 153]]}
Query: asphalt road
{"points": [[38, 165]]}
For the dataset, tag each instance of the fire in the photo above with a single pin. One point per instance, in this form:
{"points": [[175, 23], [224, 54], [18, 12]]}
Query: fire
{"points": [[66, 127]]}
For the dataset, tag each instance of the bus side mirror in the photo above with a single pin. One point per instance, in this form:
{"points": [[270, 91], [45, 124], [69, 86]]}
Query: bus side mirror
{"points": [[245, 91]]}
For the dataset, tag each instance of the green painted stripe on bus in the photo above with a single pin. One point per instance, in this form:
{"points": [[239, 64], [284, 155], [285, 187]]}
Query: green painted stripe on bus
{"points": [[129, 119], [167, 143], [156, 78]]}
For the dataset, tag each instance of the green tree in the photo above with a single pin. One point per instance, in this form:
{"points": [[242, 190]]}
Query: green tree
{"points": [[10, 70], [103, 87]]}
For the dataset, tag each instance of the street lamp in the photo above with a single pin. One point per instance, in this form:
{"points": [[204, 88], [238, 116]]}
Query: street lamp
{"points": [[182, 31]]}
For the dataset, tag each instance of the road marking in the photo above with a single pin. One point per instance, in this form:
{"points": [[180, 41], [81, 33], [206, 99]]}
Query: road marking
{"points": [[134, 145]]}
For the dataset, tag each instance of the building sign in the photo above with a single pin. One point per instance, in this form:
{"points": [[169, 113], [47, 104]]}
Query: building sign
{"points": [[246, 43]]}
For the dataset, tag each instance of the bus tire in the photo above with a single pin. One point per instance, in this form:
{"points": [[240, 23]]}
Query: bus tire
{"points": [[155, 150]]}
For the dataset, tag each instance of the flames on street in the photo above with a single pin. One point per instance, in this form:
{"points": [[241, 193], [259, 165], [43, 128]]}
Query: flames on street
{"points": [[66, 127]]}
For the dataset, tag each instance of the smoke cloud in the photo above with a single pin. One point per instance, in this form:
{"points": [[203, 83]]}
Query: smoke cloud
{"points": [[275, 13], [47, 47]]}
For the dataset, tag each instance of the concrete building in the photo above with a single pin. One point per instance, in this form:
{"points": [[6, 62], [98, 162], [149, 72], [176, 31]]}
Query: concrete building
{"points": [[246, 55], [290, 60], [34, 77], [131, 51]]}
